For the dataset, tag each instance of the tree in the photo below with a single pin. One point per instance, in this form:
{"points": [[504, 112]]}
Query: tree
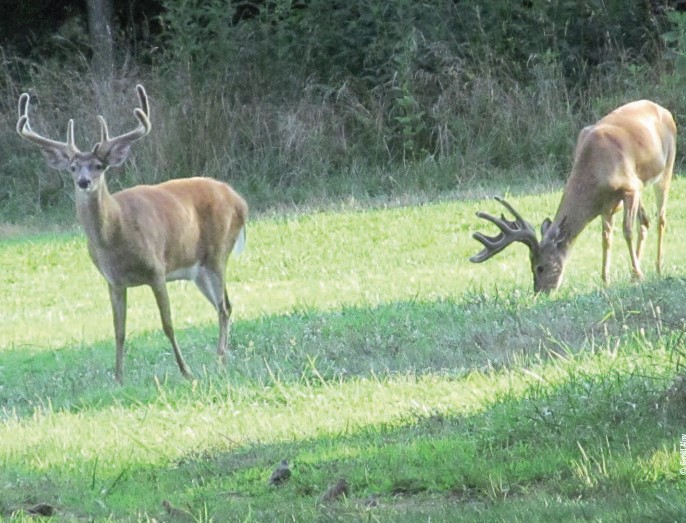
{"points": [[101, 30]]}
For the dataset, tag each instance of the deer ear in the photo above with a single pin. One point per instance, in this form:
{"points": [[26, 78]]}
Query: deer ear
{"points": [[115, 155], [561, 232], [56, 158], [545, 226]]}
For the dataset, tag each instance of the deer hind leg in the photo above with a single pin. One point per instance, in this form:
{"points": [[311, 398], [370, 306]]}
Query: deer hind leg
{"points": [[118, 301], [211, 284], [661, 193], [632, 203], [643, 226], [159, 289]]}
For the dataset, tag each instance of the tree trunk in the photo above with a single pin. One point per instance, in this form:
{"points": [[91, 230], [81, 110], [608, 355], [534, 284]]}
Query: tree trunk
{"points": [[101, 29]]}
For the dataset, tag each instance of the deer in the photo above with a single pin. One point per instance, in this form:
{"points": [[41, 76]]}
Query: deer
{"points": [[149, 234], [615, 159]]}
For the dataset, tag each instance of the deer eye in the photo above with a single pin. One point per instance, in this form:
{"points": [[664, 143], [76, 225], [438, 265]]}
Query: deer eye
{"points": [[98, 166], [539, 269], [72, 168]]}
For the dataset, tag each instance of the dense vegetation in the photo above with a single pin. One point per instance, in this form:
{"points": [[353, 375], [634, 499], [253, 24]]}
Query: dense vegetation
{"points": [[299, 102]]}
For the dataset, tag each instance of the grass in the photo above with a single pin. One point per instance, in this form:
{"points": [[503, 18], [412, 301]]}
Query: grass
{"points": [[365, 346]]}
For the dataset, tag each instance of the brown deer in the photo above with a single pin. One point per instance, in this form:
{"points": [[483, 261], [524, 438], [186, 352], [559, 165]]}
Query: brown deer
{"points": [[149, 234], [615, 159]]}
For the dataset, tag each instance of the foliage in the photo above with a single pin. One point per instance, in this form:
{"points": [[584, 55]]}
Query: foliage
{"points": [[302, 103], [398, 58]]}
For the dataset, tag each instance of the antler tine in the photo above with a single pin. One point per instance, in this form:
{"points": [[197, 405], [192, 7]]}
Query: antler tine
{"points": [[70, 134], [24, 106], [510, 231], [25, 131], [141, 113], [492, 246], [104, 133], [514, 212], [143, 97]]}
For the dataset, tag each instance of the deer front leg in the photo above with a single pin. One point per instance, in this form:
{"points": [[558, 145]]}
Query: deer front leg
{"points": [[632, 202], [159, 289], [118, 301]]}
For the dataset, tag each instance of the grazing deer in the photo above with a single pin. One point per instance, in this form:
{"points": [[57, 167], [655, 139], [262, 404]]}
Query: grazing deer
{"points": [[149, 234], [630, 148]]}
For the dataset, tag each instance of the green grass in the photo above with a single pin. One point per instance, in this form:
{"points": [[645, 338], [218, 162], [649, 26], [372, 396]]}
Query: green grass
{"points": [[365, 346]]}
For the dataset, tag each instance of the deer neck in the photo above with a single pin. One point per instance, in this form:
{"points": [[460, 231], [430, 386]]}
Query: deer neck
{"points": [[575, 212], [99, 214]]}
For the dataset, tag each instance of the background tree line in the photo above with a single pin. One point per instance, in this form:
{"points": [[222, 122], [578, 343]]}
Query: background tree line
{"points": [[296, 100]]}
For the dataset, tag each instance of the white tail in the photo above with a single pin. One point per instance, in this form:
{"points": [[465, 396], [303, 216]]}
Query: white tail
{"points": [[149, 234], [630, 148], [239, 246]]}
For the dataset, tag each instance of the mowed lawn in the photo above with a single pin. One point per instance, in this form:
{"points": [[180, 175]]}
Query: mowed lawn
{"points": [[365, 346]]}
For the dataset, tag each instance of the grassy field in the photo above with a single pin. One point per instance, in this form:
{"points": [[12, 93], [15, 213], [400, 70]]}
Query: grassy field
{"points": [[365, 347]]}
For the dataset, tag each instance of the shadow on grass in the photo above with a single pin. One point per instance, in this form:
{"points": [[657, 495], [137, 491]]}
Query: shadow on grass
{"points": [[587, 447], [480, 332]]}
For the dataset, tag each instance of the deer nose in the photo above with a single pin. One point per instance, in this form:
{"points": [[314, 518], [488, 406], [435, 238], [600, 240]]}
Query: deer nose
{"points": [[83, 182]]}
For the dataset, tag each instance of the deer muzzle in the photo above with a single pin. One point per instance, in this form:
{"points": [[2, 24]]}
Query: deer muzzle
{"points": [[83, 182]]}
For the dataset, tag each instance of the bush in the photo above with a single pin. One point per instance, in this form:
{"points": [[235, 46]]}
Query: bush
{"points": [[305, 101]]}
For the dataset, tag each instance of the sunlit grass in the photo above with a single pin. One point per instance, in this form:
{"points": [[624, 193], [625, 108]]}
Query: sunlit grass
{"points": [[321, 262], [365, 346]]}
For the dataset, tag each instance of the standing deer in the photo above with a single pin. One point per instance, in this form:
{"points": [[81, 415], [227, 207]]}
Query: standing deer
{"points": [[149, 234], [630, 148]]}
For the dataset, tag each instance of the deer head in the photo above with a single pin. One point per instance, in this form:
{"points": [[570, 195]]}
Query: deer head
{"points": [[86, 168], [547, 256]]}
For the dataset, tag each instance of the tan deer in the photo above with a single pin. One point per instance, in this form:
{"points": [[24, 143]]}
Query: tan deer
{"points": [[149, 234], [630, 148]]}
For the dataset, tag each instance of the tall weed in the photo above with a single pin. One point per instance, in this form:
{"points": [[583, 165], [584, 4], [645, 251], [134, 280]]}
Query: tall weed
{"points": [[258, 104]]}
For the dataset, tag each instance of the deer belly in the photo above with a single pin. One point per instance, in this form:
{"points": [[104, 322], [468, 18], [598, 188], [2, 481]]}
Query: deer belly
{"points": [[129, 277], [123, 271], [184, 273]]}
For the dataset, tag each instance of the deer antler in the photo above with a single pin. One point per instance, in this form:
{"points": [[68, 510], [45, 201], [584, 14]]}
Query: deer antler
{"points": [[142, 113], [25, 131], [510, 231]]}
